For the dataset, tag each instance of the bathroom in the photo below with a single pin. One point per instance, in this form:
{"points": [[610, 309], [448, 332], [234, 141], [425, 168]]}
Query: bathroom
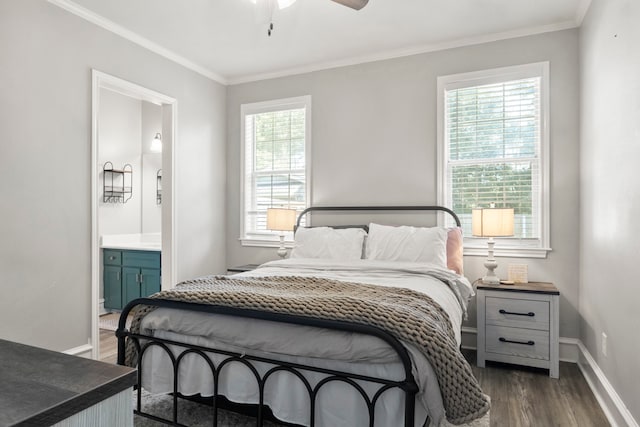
{"points": [[129, 157]]}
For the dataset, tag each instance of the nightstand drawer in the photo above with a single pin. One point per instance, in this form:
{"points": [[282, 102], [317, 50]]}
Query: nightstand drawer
{"points": [[517, 313], [528, 343]]}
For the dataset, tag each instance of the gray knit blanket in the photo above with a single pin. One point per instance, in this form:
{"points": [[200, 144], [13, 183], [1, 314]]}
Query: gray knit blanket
{"points": [[410, 316]]}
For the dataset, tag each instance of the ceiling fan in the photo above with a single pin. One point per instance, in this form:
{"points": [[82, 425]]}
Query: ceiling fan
{"points": [[353, 4], [270, 5]]}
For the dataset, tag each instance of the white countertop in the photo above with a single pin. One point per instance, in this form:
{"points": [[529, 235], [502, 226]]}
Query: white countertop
{"points": [[139, 242]]}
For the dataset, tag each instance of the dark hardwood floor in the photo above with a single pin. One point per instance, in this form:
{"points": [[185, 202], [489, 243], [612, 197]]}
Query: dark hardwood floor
{"points": [[108, 346], [520, 396], [108, 341]]}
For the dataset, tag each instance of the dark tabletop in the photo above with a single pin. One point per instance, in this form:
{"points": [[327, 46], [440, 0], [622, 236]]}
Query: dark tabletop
{"points": [[531, 287], [41, 387]]}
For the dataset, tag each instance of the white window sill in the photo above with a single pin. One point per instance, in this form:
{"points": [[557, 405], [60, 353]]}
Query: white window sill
{"points": [[507, 252], [468, 250], [265, 242]]}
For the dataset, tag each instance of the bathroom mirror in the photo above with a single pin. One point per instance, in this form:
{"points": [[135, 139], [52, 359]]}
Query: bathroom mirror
{"points": [[151, 217]]}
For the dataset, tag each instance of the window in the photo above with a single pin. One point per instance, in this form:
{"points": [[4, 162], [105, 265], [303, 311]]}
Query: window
{"points": [[276, 140], [493, 150]]}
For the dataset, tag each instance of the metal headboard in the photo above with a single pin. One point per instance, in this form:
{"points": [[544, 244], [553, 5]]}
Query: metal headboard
{"points": [[377, 208]]}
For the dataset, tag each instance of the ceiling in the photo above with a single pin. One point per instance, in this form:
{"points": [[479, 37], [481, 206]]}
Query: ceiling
{"points": [[227, 39]]}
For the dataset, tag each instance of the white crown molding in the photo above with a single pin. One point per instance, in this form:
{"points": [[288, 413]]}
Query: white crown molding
{"points": [[136, 38], [109, 25], [582, 10], [398, 53]]}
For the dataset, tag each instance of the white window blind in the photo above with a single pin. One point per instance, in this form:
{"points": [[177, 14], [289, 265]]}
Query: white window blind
{"points": [[275, 161], [493, 149]]}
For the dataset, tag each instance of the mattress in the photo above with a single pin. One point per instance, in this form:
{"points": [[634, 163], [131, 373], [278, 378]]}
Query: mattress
{"points": [[337, 404]]}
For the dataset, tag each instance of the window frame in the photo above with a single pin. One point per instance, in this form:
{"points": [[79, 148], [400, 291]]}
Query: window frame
{"points": [[271, 238], [507, 247]]}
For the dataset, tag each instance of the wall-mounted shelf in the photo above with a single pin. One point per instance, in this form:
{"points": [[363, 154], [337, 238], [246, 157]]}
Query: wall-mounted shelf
{"points": [[159, 186], [117, 183]]}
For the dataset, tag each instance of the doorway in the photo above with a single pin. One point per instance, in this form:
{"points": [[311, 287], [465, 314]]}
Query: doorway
{"points": [[118, 205]]}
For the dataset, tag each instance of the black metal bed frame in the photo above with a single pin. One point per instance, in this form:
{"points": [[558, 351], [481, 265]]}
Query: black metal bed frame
{"points": [[143, 342], [376, 209]]}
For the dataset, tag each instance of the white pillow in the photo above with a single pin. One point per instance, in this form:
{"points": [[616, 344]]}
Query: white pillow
{"points": [[404, 243], [328, 243]]}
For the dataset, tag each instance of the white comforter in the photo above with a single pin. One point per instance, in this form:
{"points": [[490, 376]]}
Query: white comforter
{"points": [[311, 346]]}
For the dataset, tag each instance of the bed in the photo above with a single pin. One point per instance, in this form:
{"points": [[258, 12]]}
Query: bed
{"points": [[360, 326]]}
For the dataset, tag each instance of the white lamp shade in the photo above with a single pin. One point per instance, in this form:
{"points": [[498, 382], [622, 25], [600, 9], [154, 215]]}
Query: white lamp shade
{"points": [[492, 222], [279, 219]]}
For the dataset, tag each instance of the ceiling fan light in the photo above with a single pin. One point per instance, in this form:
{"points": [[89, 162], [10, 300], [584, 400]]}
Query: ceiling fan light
{"points": [[353, 4]]}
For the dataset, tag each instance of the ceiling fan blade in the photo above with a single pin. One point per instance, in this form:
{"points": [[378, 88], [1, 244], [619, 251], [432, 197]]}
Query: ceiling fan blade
{"points": [[353, 4]]}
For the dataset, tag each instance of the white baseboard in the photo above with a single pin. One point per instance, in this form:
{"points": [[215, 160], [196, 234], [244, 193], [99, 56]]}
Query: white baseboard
{"points": [[613, 407], [573, 350], [469, 338], [569, 351], [82, 351], [101, 309]]}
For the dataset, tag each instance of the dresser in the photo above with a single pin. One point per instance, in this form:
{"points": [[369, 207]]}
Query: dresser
{"points": [[41, 388], [519, 324]]}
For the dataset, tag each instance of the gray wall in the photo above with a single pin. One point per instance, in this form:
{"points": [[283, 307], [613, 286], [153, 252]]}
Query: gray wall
{"points": [[119, 136], [126, 127], [610, 205], [374, 142], [46, 57]]}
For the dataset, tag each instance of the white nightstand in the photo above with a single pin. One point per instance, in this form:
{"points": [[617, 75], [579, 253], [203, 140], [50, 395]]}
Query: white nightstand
{"points": [[519, 324]]}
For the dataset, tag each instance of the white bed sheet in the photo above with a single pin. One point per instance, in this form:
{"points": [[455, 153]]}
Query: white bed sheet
{"points": [[346, 351]]}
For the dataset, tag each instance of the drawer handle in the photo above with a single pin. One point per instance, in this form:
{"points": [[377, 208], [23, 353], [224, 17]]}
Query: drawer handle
{"points": [[517, 342], [111, 258], [529, 314]]}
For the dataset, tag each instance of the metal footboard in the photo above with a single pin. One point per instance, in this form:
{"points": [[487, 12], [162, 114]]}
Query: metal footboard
{"points": [[143, 342]]}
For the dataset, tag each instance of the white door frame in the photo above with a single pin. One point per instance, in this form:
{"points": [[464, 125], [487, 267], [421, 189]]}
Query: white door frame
{"points": [[100, 81]]}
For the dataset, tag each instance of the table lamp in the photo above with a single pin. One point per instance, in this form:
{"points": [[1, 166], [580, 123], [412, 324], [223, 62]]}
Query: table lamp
{"points": [[280, 219], [491, 222]]}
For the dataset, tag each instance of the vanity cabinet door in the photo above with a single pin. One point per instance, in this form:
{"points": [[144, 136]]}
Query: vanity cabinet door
{"points": [[129, 274], [113, 287], [150, 281], [131, 284], [139, 282]]}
